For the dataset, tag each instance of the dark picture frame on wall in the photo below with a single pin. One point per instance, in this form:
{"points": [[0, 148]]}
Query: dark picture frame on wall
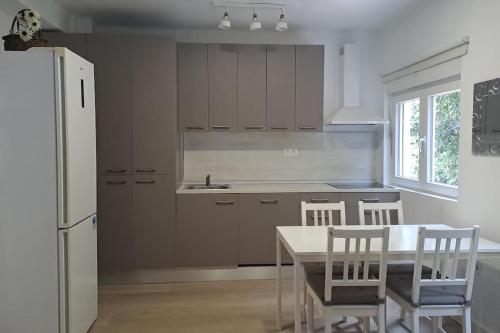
{"points": [[486, 118]]}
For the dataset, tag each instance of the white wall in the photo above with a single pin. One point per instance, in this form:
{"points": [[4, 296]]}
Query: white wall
{"points": [[430, 28]]}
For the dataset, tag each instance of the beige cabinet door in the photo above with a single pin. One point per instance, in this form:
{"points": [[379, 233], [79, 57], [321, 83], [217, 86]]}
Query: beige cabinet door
{"points": [[154, 120], [114, 227], [207, 230], [222, 83], [252, 88], [193, 87], [110, 55], [281, 87], [74, 42], [259, 215], [309, 66], [352, 200], [154, 221]]}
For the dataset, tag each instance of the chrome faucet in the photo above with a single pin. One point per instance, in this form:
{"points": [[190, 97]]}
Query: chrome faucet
{"points": [[207, 180]]}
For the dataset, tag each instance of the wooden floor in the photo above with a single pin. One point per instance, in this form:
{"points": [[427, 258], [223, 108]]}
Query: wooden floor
{"points": [[228, 306]]}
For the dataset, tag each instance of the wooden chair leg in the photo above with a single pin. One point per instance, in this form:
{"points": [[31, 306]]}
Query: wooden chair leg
{"points": [[366, 324], [382, 308], [310, 314], [415, 321], [467, 324]]}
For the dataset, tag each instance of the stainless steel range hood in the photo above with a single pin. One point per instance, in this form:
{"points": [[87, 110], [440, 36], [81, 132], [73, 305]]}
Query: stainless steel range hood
{"points": [[350, 111]]}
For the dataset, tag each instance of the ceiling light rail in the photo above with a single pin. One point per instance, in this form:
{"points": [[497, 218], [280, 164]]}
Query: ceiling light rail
{"points": [[256, 5]]}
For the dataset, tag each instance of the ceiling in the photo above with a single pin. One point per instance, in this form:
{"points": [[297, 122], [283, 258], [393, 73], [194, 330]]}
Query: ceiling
{"points": [[200, 14]]}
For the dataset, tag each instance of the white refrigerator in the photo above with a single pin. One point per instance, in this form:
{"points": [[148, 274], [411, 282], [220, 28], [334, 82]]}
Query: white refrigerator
{"points": [[48, 243]]}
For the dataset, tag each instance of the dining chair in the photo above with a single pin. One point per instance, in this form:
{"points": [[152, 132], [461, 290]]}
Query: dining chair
{"points": [[354, 293], [442, 293], [322, 213], [380, 212]]}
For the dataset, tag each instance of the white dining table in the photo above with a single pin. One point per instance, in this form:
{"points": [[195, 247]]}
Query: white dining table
{"points": [[308, 244]]}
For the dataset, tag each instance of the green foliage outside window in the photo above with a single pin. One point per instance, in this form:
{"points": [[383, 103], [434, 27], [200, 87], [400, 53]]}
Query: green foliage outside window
{"points": [[446, 138]]}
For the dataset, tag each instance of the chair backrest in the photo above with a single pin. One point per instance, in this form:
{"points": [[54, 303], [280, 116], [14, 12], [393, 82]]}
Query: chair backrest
{"points": [[379, 210], [361, 247], [446, 265], [322, 213]]}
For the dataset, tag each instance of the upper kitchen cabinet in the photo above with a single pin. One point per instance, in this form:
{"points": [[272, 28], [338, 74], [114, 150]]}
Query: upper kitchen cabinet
{"points": [[111, 58], [222, 83], [193, 87], [281, 87], [251, 87], [309, 62], [74, 42], [154, 119]]}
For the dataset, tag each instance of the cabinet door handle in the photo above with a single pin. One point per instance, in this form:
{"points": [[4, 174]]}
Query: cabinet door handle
{"points": [[370, 200], [116, 170], [194, 127], [145, 181], [116, 182], [496, 130], [220, 127], [224, 203], [146, 170], [279, 128], [269, 202], [253, 127], [307, 128], [319, 200]]}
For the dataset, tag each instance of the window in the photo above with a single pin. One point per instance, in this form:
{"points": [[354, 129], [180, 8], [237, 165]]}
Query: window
{"points": [[427, 129]]}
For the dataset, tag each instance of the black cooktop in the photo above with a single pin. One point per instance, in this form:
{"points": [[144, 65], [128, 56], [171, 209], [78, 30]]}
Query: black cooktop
{"points": [[358, 185]]}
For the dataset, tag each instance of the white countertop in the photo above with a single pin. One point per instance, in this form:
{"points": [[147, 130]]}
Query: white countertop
{"points": [[280, 188]]}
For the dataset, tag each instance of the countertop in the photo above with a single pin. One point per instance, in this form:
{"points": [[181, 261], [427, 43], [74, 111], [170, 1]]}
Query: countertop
{"points": [[281, 188]]}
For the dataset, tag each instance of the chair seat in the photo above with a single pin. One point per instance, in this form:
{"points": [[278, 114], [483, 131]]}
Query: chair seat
{"points": [[438, 295], [337, 269], [343, 295], [400, 267]]}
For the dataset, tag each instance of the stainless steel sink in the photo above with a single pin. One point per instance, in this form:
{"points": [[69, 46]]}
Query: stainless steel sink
{"points": [[207, 187]]}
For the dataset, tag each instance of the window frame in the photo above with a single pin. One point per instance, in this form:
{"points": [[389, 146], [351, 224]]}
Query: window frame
{"points": [[424, 182]]}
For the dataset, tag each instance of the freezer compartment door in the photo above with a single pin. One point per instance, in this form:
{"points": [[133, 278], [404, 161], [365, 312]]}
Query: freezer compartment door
{"points": [[78, 276], [76, 138]]}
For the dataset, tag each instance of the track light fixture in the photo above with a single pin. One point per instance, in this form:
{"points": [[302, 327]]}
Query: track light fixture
{"points": [[281, 25], [225, 24], [255, 24]]}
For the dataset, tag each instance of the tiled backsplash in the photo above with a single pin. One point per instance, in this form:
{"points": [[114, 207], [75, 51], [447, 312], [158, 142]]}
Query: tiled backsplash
{"points": [[260, 156]]}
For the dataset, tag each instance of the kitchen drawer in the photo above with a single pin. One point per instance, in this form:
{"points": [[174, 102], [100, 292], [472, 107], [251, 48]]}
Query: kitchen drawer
{"points": [[320, 198], [259, 215], [352, 198]]}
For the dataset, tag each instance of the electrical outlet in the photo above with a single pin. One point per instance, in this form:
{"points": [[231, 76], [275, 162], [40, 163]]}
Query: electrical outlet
{"points": [[290, 152]]}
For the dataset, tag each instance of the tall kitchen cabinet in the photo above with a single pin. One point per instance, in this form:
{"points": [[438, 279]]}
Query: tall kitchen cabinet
{"points": [[136, 118]]}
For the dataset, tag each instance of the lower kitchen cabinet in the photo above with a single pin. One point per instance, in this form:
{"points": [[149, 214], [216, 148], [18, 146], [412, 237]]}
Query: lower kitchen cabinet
{"points": [[114, 227], [259, 215], [321, 198], [154, 221], [207, 230]]}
